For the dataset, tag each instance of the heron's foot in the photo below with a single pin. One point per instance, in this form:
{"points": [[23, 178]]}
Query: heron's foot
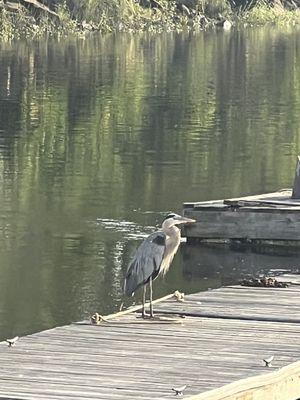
{"points": [[161, 319], [147, 316]]}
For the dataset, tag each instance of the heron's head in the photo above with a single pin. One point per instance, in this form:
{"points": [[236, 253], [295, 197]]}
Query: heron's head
{"points": [[175, 219]]}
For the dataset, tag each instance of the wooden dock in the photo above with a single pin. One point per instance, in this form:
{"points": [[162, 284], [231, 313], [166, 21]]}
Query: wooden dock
{"points": [[213, 342], [270, 218], [267, 218]]}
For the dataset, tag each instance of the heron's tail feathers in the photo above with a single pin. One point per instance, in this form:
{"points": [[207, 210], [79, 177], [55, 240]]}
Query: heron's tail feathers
{"points": [[134, 278], [129, 285]]}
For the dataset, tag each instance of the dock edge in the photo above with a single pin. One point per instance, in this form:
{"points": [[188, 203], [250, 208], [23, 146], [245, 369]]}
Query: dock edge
{"points": [[282, 384]]}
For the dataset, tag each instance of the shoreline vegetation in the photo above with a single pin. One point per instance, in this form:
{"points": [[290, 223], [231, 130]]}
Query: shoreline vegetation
{"points": [[33, 18]]}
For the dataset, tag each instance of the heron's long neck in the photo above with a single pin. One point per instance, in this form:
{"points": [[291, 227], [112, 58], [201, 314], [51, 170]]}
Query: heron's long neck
{"points": [[172, 243]]}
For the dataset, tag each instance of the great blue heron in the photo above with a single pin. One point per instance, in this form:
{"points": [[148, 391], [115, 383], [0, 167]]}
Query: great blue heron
{"points": [[154, 256]]}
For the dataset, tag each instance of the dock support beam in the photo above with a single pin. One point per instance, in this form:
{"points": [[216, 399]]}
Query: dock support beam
{"points": [[296, 187]]}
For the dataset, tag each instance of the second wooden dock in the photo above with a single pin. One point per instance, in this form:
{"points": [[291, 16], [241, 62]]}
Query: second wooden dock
{"points": [[272, 218]]}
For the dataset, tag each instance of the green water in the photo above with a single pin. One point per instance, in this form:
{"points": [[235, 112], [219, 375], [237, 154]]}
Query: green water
{"points": [[100, 137]]}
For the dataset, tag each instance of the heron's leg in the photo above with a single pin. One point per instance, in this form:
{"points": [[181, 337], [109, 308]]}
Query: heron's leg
{"points": [[144, 300], [151, 306]]}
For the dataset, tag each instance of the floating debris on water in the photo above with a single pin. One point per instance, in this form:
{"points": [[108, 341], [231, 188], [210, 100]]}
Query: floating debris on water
{"points": [[264, 282]]}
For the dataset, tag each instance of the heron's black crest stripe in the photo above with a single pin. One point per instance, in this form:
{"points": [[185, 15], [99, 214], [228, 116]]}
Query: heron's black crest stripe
{"points": [[172, 215]]}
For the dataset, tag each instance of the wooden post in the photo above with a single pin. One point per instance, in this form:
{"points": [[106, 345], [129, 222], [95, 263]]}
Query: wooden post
{"points": [[296, 187]]}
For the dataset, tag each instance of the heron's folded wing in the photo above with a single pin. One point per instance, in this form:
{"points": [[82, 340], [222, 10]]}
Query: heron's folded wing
{"points": [[146, 262]]}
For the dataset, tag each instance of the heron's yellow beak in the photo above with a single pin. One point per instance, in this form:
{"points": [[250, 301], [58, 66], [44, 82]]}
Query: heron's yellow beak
{"points": [[186, 220]]}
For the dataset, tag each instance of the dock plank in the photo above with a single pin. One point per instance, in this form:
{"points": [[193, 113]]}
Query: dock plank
{"points": [[259, 303], [131, 358], [280, 196]]}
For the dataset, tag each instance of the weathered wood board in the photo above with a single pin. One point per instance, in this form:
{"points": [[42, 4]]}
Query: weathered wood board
{"points": [[282, 384], [129, 358], [244, 224], [280, 196], [273, 216], [242, 303]]}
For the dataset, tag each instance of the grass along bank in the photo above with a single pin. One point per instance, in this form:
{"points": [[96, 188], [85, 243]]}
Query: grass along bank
{"points": [[264, 13], [29, 18]]}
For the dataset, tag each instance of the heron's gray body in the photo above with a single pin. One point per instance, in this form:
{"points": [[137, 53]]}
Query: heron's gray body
{"points": [[146, 262], [154, 256]]}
